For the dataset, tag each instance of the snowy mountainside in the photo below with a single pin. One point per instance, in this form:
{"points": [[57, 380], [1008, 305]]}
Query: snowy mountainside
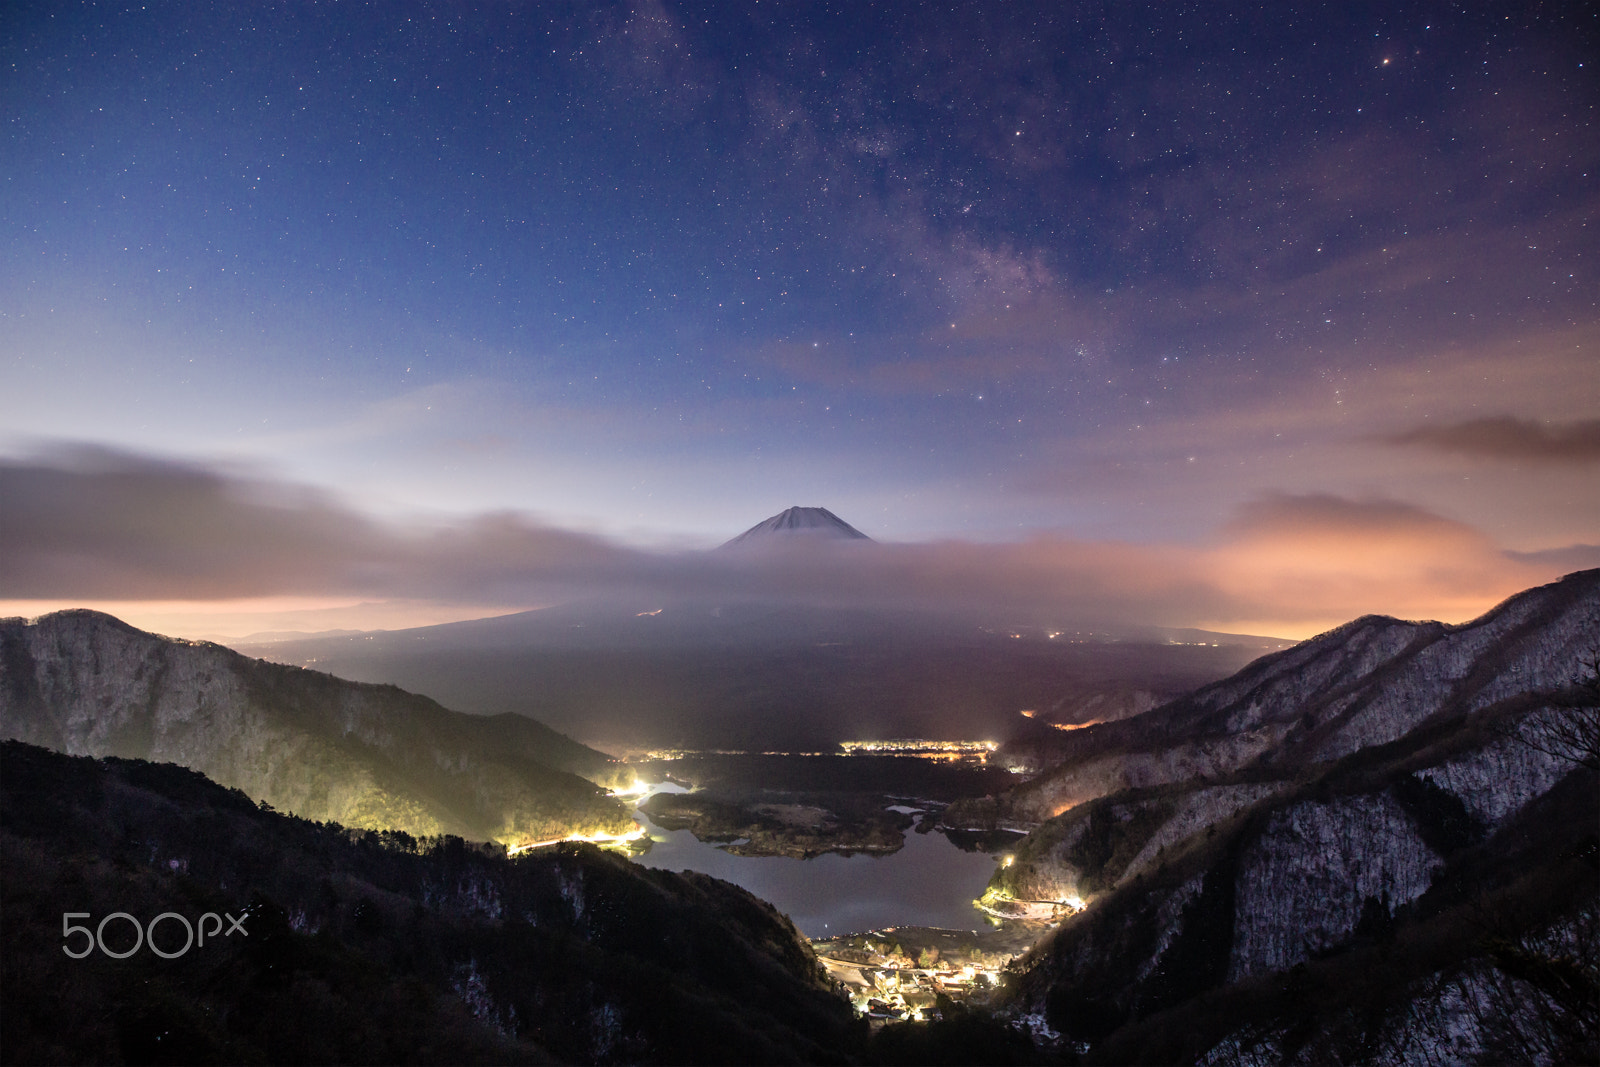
{"points": [[1366, 683], [1403, 792]]}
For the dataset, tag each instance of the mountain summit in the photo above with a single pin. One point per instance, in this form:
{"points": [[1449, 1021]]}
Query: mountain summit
{"points": [[812, 522]]}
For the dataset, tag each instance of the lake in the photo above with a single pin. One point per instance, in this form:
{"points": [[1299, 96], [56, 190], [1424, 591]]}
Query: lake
{"points": [[929, 882]]}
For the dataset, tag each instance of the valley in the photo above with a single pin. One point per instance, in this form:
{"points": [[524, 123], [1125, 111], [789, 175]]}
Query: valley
{"points": [[754, 676], [1138, 888]]}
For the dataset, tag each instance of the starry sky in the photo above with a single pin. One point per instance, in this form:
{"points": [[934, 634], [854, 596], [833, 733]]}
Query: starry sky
{"points": [[1248, 316]]}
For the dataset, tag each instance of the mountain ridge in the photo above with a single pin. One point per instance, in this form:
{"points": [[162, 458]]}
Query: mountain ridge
{"points": [[362, 754], [1390, 670], [1232, 861]]}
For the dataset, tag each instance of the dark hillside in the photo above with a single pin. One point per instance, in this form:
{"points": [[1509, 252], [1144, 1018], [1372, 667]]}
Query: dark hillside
{"points": [[371, 947]]}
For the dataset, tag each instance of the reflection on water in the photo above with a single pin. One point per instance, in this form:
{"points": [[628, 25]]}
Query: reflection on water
{"points": [[929, 882]]}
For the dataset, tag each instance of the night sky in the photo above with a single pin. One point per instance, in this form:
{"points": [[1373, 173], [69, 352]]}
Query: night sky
{"points": [[1248, 316]]}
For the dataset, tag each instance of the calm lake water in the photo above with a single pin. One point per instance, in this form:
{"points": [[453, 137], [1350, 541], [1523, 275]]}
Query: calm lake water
{"points": [[929, 882]]}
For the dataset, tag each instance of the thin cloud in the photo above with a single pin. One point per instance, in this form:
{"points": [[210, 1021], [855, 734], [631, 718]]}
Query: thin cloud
{"points": [[1566, 559], [1509, 438]]}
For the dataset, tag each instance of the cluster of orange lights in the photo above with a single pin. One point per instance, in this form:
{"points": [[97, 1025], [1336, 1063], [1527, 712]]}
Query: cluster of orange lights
{"points": [[922, 748], [1032, 713]]}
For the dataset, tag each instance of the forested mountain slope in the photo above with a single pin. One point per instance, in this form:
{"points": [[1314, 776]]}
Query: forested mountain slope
{"points": [[364, 947], [363, 755]]}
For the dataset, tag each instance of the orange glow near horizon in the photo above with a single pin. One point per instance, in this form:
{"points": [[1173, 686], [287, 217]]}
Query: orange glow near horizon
{"points": [[224, 620]]}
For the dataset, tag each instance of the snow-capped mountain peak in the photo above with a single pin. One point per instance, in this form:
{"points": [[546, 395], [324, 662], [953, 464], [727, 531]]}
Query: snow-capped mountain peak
{"points": [[813, 522]]}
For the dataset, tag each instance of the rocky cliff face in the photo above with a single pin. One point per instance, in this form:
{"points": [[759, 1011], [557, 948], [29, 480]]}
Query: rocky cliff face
{"points": [[1385, 790], [363, 755]]}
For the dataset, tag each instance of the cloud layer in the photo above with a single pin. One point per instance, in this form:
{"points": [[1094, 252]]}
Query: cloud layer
{"points": [[89, 526], [1508, 438]]}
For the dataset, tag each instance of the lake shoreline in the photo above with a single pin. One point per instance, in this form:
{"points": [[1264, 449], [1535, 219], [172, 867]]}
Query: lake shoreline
{"points": [[926, 881]]}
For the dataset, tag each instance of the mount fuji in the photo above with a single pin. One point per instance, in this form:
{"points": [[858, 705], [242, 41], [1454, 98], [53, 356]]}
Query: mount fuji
{"points": [[764, 673], [805, 522]]}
